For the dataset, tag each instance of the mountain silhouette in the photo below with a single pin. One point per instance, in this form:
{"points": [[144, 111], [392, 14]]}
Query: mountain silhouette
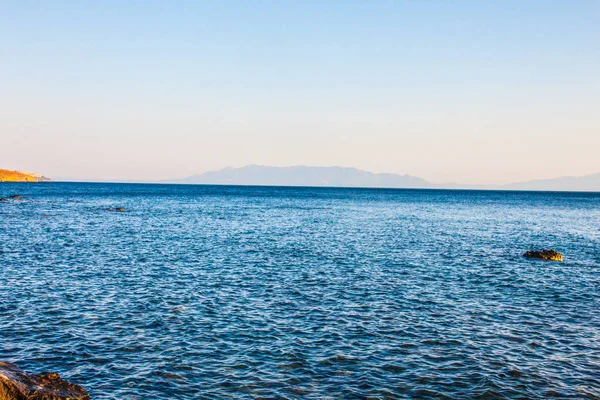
{"points": [[304, 176]]}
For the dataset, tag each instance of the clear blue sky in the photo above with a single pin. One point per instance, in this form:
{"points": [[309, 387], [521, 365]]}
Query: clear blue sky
{"points": [[463, 91]]}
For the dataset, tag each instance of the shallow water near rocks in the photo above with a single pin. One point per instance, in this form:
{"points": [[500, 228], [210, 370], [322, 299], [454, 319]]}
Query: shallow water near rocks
{"points": [[247, 292]]}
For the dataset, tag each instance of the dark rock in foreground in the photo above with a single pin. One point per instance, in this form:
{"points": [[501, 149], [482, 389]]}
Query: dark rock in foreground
{"points": [[16, 384], [552, 255]]}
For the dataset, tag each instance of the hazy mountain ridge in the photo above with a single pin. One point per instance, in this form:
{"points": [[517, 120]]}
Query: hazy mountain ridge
{"points": [[352, 177], [305, 176], [566, 183]]}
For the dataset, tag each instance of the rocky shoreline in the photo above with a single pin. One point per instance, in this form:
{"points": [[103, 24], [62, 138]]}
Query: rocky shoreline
{"points": [[7, 175], [16, 384]]}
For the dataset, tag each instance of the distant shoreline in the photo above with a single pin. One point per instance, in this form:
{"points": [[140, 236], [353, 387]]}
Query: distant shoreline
{"points": [[343, 177], [7, 175], [441, 188]]}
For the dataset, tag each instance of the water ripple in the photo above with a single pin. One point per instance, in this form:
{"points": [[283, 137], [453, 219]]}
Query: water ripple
{"points": [[220, 292]]}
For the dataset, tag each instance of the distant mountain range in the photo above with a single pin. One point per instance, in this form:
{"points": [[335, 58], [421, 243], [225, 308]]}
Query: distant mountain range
{"points": [[304, 176], [352, 177], [337, 177], [589, 183]]}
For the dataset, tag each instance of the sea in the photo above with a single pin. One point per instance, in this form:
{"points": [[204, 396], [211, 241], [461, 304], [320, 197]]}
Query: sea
{"points": [[239, 292]]}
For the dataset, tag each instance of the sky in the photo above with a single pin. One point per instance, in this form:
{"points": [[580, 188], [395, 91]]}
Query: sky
{"points": [[450, 91]]}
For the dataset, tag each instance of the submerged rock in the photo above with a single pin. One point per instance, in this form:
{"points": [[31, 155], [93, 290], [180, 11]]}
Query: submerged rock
{"points": [[3, 200], [15, 197], [16, 384], [117, 209], [552, 255]]}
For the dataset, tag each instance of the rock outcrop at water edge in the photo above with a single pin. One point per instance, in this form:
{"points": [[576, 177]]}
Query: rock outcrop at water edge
{"points": [[16, 384], [551, 255], [7, 175]]}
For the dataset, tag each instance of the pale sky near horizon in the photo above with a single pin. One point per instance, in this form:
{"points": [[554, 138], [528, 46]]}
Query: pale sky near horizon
{"points": [[460, 91]]}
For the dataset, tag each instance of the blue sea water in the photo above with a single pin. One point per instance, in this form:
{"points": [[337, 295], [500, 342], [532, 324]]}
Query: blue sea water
{"points": [[264, 292]]}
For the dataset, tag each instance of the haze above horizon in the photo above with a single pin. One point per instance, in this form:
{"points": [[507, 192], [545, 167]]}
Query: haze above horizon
{"points": [[469, 92]]}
